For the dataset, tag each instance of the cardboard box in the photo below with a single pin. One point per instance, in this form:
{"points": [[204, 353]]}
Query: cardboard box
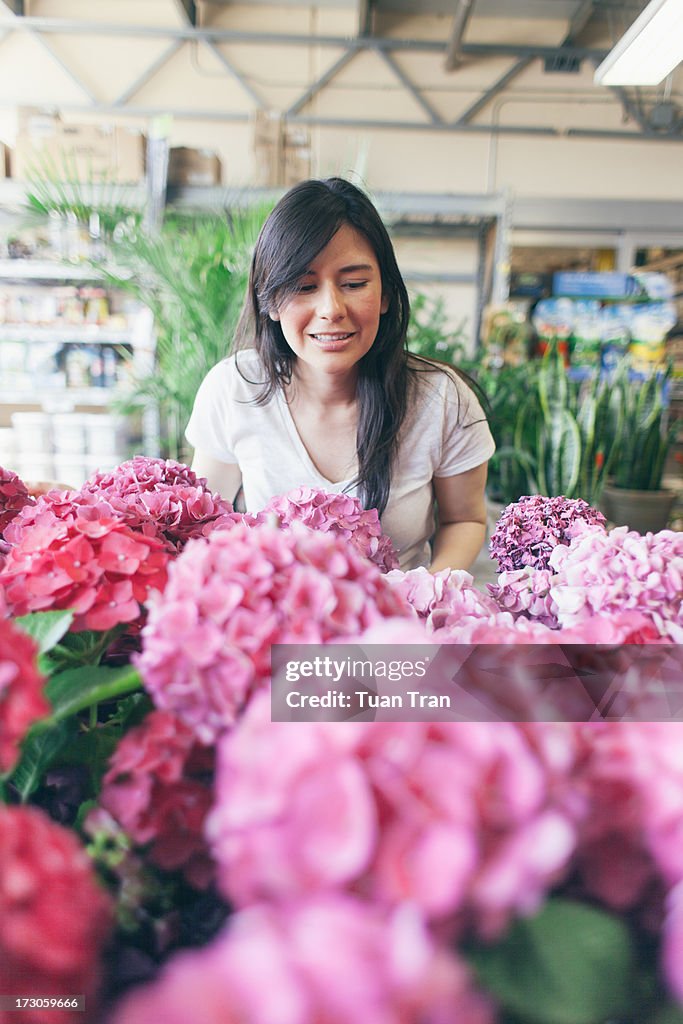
{"points": [[282, 153], [76, 152], [188, 166]]}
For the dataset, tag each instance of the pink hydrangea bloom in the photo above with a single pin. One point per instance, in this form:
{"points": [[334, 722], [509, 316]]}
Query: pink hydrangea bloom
{"points": [[631, 842], [206, 646], [88, 561], [369, 808], [22, 700], [158, 787], [445, 600], [526, 593], [602, 573], [330, 959], [13, 497], [54, 917], [530, 529], [340, 514]]}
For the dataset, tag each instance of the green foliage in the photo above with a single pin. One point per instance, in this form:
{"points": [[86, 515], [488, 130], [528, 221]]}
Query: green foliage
{"points": [[429, 333], [571, 964], [46, 628], [192, 275], [72, 731], [645, 441], [554, 435], [54, 187]]}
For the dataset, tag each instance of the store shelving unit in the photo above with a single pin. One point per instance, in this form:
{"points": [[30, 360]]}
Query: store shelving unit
{"points": [[48, 395]]}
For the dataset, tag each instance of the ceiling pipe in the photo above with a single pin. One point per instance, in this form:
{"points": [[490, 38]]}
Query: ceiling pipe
{"points": [[454, 53]]}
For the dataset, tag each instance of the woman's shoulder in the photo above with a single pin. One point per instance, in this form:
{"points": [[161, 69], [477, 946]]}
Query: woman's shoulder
{"points": [[431, 377], [442, 385], [238, 373]]}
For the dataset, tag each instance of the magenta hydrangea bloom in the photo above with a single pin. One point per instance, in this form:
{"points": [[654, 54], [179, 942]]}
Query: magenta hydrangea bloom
{"points": [[530, 529], [156, 498], [56, 917], [600, 574], [340, 514], [365, 808], [161, 498], [13, 497], [331, 959], [206, 646], [88, 561], [22, 697], [158, 788]]}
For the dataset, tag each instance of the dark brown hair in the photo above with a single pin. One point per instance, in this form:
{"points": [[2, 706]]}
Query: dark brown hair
{"points": [[300, 226]]}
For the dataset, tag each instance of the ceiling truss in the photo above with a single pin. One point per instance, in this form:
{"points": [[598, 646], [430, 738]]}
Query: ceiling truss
{"points": [[454, 52]]}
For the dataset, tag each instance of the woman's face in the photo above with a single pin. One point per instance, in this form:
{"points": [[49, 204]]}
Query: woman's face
{"points": [[332, 319]]}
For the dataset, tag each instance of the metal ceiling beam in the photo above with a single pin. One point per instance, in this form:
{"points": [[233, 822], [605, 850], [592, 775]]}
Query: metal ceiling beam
{"points": [[408, 84], [149, 72], [494, 89], [67, 26], [454, 53], [579, 21], [320, 83], [244, 117], [40, 39], [237, 75], [365, 11], [188, 10], [630, 108]]}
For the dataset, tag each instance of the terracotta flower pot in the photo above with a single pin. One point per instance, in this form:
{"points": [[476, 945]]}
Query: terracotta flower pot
{"points": [[644, 511]]}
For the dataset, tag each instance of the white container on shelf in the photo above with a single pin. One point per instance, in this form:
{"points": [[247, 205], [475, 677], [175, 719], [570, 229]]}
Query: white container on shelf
{"points": [[102, 463], [70, 470], [105, 437], [68, 433], [32, 432], [8, 449], [34, 467]]}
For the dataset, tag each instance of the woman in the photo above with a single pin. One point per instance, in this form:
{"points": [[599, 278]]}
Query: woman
{"points": [[323, 393]]}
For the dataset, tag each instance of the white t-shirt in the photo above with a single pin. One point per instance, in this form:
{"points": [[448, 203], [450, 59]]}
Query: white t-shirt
{"points": [[444, 433]]}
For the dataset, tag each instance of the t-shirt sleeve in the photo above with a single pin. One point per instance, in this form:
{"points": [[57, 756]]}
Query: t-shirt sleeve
{"points": [[467, 439], [209, 427]]}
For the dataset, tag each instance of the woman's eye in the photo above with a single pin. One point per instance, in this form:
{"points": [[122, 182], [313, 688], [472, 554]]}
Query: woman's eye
{"points": [[355, 284], [303, 288]]}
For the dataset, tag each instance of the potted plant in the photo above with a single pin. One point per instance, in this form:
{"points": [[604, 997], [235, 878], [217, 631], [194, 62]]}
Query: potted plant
{"points": [[554, 435], [634, 496]]}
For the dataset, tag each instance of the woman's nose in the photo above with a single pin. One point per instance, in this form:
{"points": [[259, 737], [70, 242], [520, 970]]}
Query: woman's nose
{"points": [[331, 303]]}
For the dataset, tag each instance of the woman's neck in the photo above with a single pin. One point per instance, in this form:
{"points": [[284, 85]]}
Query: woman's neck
{"points": [[321, 389]]}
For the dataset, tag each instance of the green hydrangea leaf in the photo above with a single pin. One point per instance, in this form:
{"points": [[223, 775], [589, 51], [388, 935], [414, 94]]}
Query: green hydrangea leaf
{"points": [[46, 628], [570, 964]]}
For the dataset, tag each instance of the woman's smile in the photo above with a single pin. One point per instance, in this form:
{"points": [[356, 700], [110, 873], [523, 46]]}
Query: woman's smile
{"points": [[332, 342]]}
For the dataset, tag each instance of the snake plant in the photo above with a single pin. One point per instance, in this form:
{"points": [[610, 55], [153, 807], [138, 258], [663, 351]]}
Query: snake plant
{"points": [[646, 438]]}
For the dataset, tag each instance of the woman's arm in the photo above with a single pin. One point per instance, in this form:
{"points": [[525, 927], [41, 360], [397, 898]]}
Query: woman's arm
{"points": [[223, 477], [461, 527]]}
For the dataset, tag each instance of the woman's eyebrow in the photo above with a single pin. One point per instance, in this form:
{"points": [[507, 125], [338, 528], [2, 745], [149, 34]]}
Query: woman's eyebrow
{"points": [[352, 269]]}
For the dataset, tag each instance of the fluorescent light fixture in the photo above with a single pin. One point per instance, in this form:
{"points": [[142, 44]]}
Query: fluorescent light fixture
{"points": [[649, 51]]}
